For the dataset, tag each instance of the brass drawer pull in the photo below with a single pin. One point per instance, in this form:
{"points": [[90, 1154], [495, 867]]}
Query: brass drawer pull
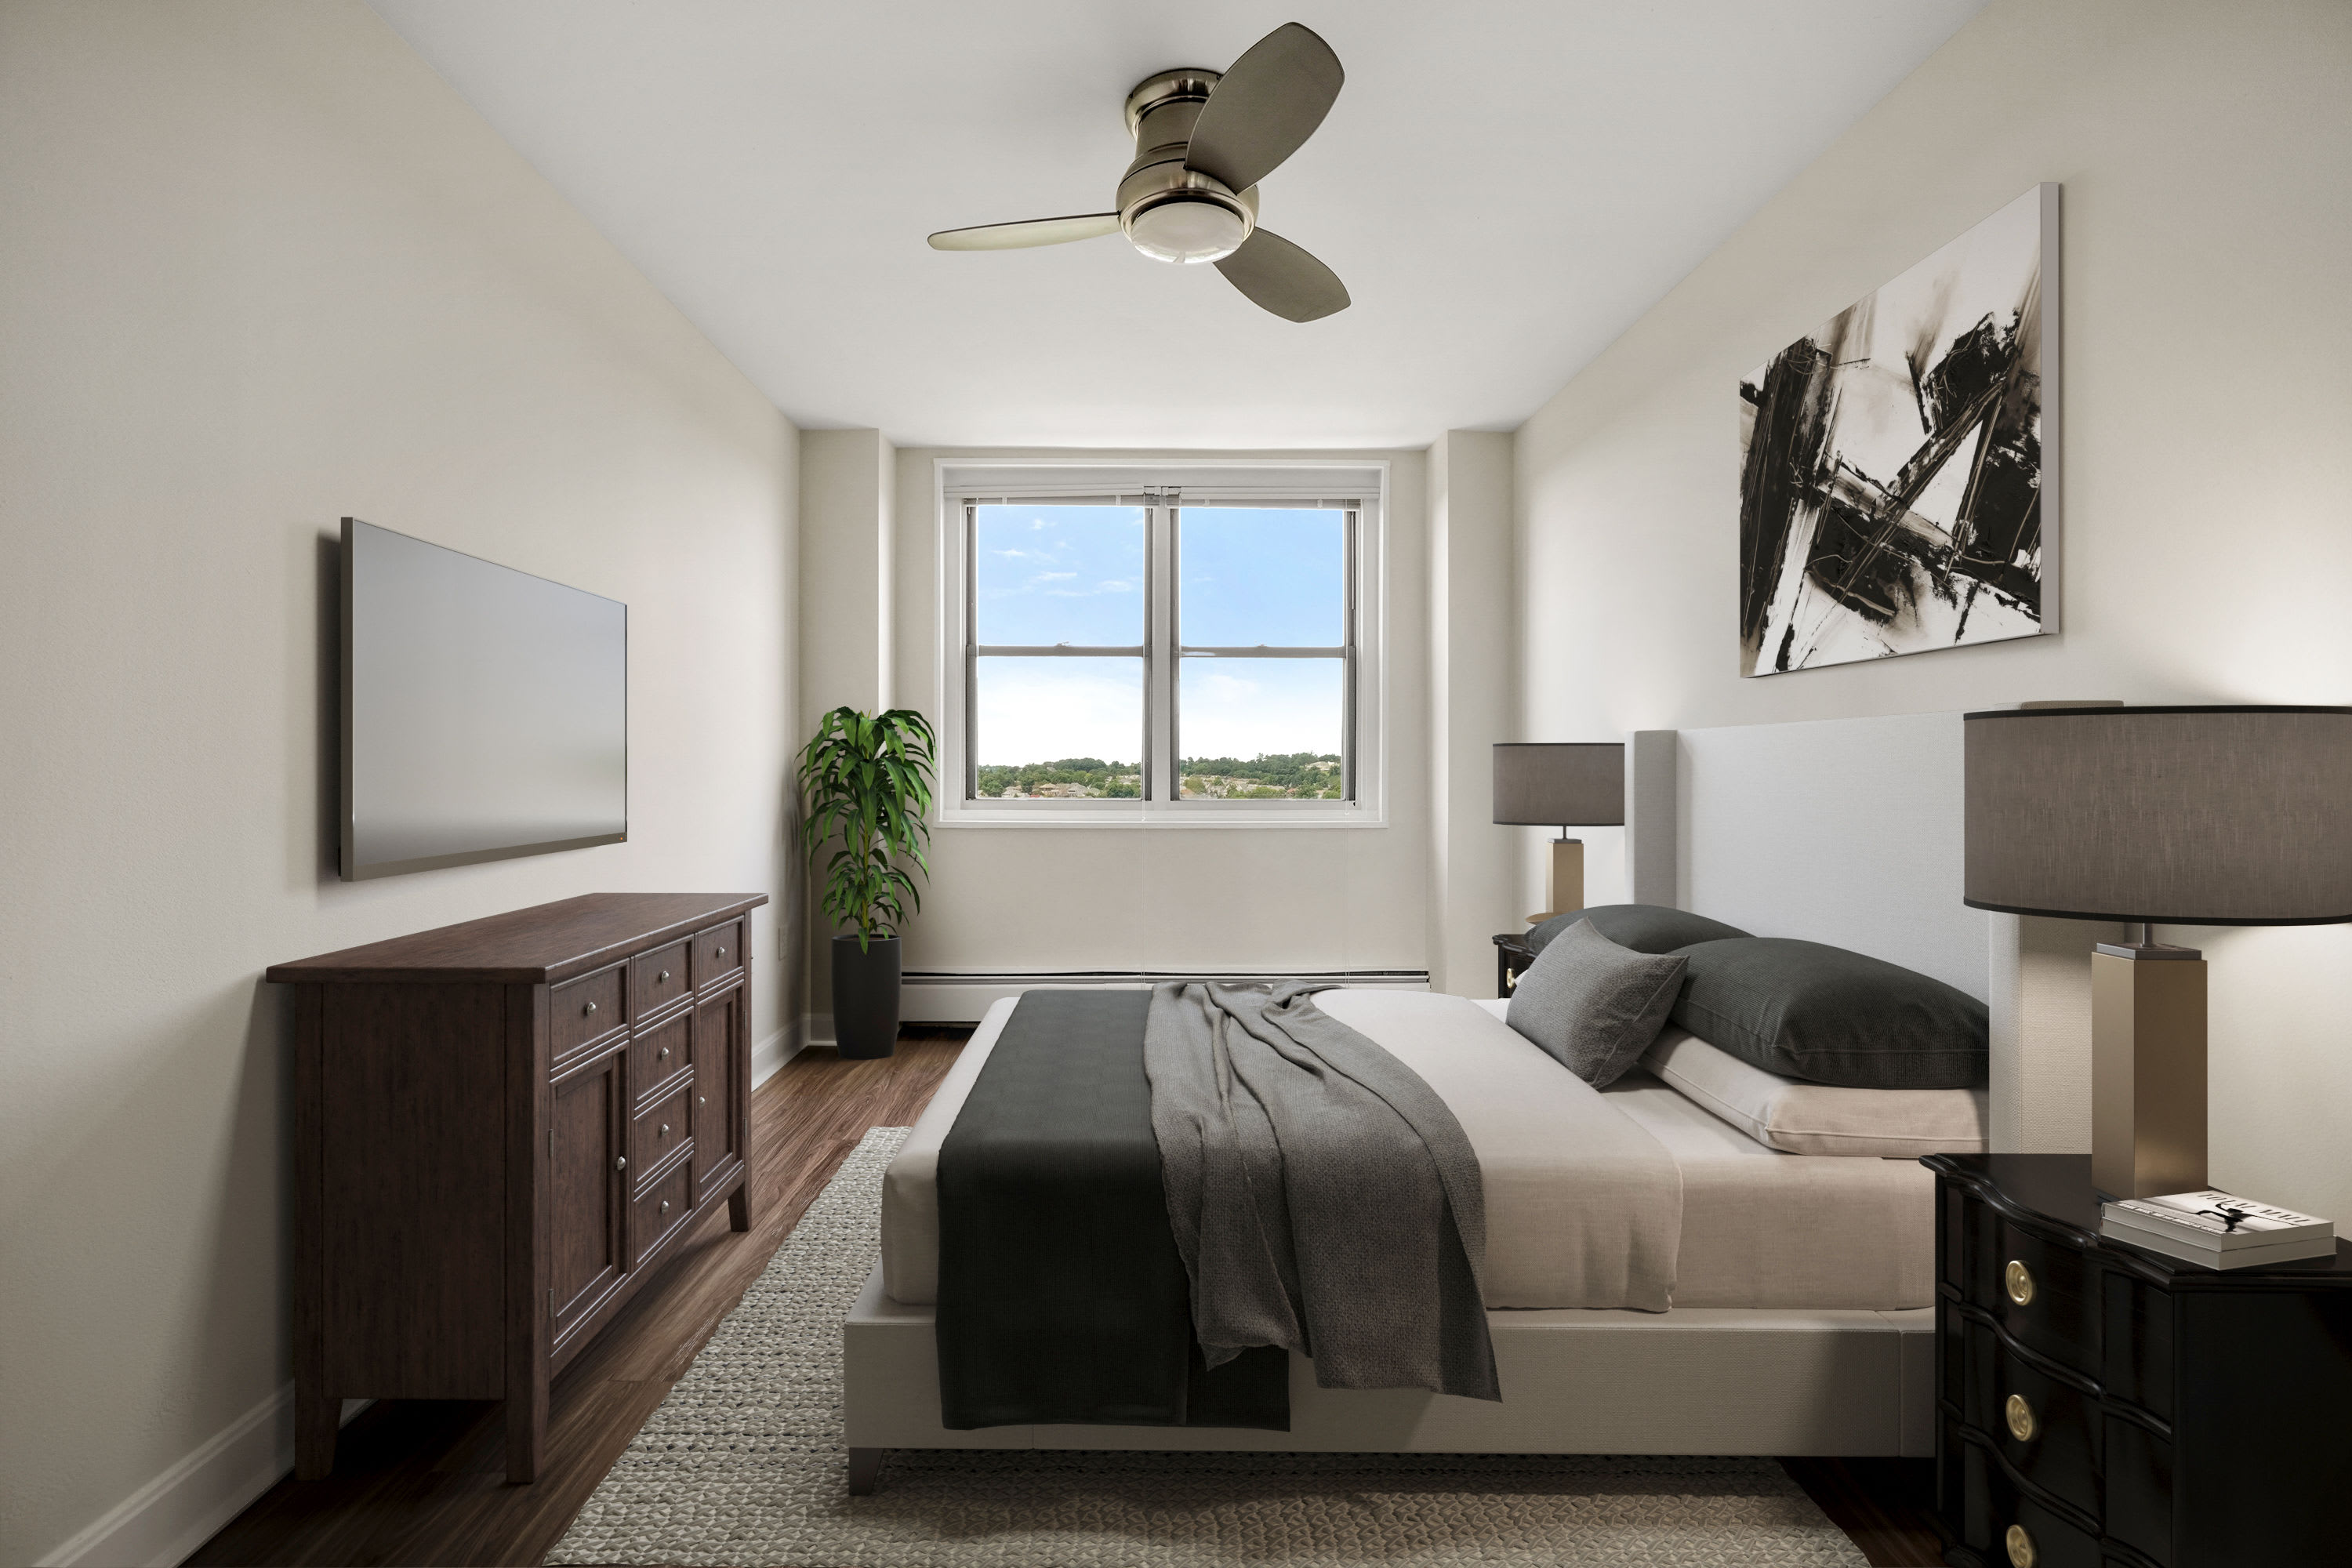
{"points": [[2021, 1547], [2020, 1417], [2018, 1281]]}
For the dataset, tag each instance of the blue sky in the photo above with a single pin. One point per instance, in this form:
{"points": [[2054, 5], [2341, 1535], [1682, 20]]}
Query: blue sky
{"points": [[1076, 574]]}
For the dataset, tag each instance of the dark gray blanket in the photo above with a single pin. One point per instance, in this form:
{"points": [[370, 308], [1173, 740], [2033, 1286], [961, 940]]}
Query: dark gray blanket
{"points": [[1062, 1298], [1323, 1197]]}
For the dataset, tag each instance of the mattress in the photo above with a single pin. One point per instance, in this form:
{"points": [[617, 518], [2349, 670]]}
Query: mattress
{"points": [[1582, 1186]]}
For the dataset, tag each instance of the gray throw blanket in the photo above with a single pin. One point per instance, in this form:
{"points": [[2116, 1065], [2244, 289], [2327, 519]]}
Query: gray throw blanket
{"points": [[1323, 1197]]}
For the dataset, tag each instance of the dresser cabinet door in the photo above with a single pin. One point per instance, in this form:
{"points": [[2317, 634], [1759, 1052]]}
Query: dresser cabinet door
{"points": [[585, 1190], [718, 1047]]}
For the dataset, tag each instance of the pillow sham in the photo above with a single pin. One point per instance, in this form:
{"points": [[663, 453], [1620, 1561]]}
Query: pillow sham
{"points": [[1799, 1118], [1593, 1005], [1810, 1010], [1644, 927]]}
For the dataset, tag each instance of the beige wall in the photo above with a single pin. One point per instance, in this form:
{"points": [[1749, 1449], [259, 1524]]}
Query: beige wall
{"points": [[2206, 156], [260, 268], [1163, 898]]}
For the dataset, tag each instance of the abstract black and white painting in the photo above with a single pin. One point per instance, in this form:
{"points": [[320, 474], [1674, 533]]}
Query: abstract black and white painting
{"points": [[1891, 488]]}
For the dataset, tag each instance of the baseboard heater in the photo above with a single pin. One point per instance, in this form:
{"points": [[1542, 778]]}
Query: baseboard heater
{"points": [[961, 996]]}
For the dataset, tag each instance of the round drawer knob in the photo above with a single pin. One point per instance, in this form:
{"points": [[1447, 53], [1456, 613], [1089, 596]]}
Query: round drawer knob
{"points": [[662, 1054], [2018, 1281], [700, 1100], [664, 1132], [2021, 1547], [665, 1209], [2020, 1417], [722, 952], [663, 978], [620, 1161], [590, 1008]]}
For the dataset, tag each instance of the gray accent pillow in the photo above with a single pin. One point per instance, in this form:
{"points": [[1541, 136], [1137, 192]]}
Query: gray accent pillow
{"points": [[1644, 927], [1592, 1004], [1807, 1010]]}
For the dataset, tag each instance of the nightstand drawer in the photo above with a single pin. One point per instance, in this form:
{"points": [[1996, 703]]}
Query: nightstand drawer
{"points": [[2039, 1291], [580, 1010], [2002, 1521], [2045, 1427]]}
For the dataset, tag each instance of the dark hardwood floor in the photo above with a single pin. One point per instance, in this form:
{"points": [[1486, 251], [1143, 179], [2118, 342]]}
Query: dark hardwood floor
{"points": [[422, 1482]]}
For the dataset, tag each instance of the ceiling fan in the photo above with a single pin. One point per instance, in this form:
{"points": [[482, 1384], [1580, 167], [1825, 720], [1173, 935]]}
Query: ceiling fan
{"points": [[1202, 142]]}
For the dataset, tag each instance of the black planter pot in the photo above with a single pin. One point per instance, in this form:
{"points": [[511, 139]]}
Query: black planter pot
{"points": [[865, 996]]}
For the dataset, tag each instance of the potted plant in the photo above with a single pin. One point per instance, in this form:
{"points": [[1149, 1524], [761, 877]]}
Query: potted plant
{"points": [[866, 784]]}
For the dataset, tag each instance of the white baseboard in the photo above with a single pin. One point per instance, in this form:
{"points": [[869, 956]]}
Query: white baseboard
{"points": [[164, 1522], [775, 1051], [816, 1029]]}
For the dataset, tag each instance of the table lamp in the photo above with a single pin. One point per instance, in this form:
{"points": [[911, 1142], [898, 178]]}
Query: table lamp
{"points": [[1543, 783], [2215, 815]]}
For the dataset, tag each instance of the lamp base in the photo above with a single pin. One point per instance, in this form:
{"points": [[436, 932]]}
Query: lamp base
{"points": [[2147, 1070], [1564, 886]]}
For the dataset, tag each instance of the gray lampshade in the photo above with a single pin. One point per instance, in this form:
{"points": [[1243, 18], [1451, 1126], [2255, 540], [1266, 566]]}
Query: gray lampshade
{"points": [[1548, 785], [2173, 815]]}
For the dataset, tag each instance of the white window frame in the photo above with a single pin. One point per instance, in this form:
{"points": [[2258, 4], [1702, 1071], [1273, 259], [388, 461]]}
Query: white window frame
{"points": [[1360, 484]]}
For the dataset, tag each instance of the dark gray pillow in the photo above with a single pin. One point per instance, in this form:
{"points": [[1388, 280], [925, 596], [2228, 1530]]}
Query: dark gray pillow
{"points": [[1644, 927], [1803, 1009], [1593, 1004]]}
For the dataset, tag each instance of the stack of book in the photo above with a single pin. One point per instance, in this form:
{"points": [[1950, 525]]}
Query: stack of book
{"points": [[2217, 1231]]}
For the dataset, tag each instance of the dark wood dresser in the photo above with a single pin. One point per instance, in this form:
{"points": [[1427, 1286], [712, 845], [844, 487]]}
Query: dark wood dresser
{"points": [[501, 1128], [2106, 1406]]}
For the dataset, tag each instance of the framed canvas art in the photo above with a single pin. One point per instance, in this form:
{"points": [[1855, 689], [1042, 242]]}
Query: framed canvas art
{"points": [[1895, 482]]}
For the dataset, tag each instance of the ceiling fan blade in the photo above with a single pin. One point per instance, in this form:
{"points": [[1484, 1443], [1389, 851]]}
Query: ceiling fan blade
{"points": [[1266, 107], [1018, 235], [1279, 276]]}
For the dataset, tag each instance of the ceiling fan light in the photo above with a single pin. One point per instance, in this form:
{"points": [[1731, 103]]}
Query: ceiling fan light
{"points": [[1186, 228]]}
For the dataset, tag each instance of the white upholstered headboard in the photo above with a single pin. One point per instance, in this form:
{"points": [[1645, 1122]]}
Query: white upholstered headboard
{"points": [[1848, 831]]}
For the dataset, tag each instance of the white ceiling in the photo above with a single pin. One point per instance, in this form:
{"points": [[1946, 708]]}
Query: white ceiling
{"points": [[1505, 188]]}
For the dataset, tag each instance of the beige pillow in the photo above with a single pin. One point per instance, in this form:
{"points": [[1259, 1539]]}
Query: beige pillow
{"points": [[1815, 1118]]}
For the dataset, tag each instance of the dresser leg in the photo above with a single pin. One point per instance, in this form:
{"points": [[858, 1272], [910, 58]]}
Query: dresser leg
{"points": [[526, 1439], [865, 1470], [739, 1206], [317, 1418]]}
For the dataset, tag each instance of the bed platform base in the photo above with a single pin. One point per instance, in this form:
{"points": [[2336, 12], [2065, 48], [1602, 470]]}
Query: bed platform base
{"points": [[1693, 1380]]}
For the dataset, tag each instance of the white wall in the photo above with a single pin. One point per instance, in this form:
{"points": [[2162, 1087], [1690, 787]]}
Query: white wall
{"points": [[260, 268], [2206, 157], [1171, 898]]}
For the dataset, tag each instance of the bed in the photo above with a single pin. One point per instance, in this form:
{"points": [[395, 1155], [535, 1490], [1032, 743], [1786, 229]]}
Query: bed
{"points": [[1797, 1317]]}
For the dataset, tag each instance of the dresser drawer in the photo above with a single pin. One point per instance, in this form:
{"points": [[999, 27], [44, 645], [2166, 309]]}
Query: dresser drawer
{"points": [[2046, 1427], [717, 952], [581, 1010], [656, 1055], [2138, 1349], [658, 979], [2003, 1522], [658, 1212], [661, 1129], [2041, 1290]]}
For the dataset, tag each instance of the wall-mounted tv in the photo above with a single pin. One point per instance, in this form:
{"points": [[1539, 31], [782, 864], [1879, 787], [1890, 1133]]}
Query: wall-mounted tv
{"points": [[486, 712]]}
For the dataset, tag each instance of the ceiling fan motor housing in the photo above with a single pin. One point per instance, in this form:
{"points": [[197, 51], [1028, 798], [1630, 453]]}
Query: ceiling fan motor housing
{"points": [[1169, 212]]}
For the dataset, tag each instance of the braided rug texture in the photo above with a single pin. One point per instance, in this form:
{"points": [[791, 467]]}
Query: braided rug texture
{"points": [[743, 1465]]}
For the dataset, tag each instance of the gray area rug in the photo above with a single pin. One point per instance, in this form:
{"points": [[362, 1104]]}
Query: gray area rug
{"points": [[743, 1465]]}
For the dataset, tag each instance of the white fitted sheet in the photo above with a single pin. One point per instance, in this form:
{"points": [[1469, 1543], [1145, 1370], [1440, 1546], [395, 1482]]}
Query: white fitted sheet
{"points": [[1581, 1186]]}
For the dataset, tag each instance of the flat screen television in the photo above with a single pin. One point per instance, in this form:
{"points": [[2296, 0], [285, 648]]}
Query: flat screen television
{"points": [[486, 712]]}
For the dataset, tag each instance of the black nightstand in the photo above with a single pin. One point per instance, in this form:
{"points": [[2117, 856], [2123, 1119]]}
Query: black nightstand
{"points": [[1512, 956], [2103, 1406]]}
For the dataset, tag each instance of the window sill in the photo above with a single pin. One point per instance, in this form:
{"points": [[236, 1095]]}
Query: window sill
{"points": [[1155, 814]]}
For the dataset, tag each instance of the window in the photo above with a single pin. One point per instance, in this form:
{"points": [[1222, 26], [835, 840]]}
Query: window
{"points": [[1163, 655]]}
